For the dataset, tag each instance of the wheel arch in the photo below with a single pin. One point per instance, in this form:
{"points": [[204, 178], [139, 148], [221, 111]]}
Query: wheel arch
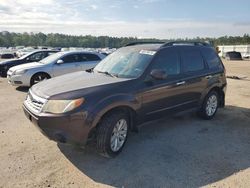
{"points": [[124, 108], [220, 92], [132, 114]]}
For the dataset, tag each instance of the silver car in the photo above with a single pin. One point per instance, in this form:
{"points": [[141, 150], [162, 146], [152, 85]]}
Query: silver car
{"points": [[52, 66]]}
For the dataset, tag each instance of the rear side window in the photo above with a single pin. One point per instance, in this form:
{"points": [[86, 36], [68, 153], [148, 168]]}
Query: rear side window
{"points": [[211, 58], [90, 57], [167, 60], [192, 60]]}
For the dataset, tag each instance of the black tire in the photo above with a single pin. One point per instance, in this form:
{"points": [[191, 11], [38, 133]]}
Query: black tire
{"points": [[36, 78], [105, 131], [204, 112]]}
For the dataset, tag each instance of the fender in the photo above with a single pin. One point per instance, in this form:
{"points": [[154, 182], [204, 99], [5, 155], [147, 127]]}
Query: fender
{"points": [[213, 83], [119, 100]]}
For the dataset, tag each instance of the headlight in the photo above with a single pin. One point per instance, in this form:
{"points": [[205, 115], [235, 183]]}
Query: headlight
{"points": [[20, 71], [61, 106]]}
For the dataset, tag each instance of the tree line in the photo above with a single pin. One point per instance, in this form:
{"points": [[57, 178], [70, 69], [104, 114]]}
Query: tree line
{"points": [[10, 39]]}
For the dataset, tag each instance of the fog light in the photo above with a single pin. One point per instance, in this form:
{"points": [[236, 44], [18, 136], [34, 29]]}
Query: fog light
{"points": [[18, 82]]}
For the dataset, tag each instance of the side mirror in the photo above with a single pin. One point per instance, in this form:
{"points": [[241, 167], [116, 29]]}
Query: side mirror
{"points": [[158, 74], [59, 61]]}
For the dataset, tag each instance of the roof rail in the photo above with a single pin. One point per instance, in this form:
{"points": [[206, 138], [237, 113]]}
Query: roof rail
{"points": [[195, 43], [144, 42]]}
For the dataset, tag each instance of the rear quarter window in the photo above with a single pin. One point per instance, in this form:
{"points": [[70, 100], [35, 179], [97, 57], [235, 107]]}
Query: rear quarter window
{"points": [[211, 58]]}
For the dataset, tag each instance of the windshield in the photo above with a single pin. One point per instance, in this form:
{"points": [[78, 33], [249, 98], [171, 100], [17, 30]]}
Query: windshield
{"points": [[125, 63], [51, 58]]}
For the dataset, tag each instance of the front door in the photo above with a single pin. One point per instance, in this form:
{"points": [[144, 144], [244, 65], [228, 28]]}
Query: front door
{"points": [[70, 64], [162, 96]]}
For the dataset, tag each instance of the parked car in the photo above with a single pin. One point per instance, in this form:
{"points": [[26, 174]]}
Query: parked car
{"points": [[246, 55], [233, 55], [31, 57], [24, 51], [7, 56], [132, 85], [52, 66]]}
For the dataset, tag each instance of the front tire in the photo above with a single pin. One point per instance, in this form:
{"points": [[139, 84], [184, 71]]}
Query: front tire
{"points": [[112, 134], [209, 106], [38, 78]]}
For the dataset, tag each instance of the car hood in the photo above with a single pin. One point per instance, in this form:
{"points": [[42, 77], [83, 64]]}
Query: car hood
{"points": [[9, 61], [63, 85], [26, 66]]}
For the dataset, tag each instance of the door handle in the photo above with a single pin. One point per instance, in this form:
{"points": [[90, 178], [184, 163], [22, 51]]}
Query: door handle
{"points": [[209, 76], [180, 83]]}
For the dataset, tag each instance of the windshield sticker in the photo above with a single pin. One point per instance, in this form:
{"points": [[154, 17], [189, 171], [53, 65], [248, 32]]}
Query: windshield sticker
{"points": [[147, 52]]}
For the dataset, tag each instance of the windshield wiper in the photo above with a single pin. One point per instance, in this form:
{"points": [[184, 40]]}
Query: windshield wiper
{"points": [[108, 73]]}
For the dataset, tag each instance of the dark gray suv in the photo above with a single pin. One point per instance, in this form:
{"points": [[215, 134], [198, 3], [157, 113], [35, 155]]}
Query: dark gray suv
{"points": [[137, 83]]}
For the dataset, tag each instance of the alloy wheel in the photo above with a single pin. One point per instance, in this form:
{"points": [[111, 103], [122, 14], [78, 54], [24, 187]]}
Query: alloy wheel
{"points": [[212, 104], [39, 78], [119, 135]]}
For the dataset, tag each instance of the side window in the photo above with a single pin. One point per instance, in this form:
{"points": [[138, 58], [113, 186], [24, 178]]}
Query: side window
{"points": [[211, 58], [37, 56], [167, 60], [44, 54], [90, 57], [71, 58], [192, 60], [83, 57]]}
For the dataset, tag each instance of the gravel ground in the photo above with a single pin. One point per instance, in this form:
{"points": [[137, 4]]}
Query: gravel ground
{"points": [[181, 151]]}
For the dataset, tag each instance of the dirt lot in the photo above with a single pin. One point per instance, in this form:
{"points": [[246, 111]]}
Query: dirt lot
{"points": [[181, 151]]}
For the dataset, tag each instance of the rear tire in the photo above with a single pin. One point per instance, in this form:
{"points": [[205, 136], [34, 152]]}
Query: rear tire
{"points": [[36, 78], [112, 134], [209, 106]]}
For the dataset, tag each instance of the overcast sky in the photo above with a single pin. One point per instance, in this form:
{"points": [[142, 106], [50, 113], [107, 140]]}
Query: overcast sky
{"points": [[137, 18]]}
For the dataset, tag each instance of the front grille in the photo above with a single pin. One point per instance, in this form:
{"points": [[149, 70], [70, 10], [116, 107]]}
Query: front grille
{"points": [[34, 103]]}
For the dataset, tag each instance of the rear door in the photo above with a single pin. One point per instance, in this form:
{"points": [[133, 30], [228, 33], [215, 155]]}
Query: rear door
{"points": [[70, 64], [89, 61], [195, 74]]}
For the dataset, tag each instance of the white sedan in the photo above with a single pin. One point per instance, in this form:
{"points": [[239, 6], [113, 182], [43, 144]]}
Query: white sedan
{"points": [[52, 66]]}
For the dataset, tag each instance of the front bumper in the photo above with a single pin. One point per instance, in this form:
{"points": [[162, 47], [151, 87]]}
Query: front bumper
{"points": [[17, 80], [71, 129]]}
